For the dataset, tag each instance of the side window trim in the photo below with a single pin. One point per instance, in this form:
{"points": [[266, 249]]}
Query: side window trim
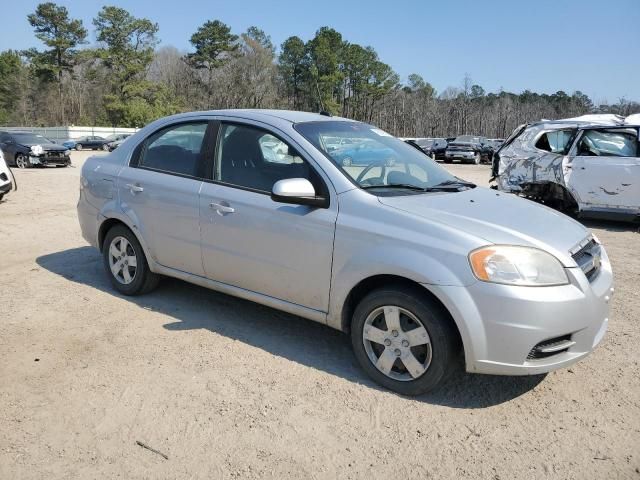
{"points": [[206, 149], [212, 173]]}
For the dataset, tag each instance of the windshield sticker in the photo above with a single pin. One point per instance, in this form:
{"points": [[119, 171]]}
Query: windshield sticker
{"points": [[382, 133]]}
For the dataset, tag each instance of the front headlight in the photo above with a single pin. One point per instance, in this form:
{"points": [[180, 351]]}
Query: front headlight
{"points": [[66, 153], [514, 265]]}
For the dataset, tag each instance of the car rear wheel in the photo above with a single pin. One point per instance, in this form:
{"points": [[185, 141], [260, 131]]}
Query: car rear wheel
{"points": [[126, 264], [21, 161], [78, 147], [403, 340]]}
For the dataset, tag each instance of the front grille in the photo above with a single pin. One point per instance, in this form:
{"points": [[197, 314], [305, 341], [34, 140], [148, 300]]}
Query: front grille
{"points": [[588, 258], [551, 347], [54, 154]]}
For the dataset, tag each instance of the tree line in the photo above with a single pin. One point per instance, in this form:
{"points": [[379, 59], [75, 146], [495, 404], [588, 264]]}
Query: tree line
{"points": [[125, 80]]}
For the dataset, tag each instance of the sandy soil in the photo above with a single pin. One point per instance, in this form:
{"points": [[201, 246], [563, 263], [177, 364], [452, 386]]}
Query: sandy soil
{"points": [[229, 389]]}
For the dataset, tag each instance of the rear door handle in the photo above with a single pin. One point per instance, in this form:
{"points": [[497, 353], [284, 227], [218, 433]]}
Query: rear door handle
{"points": [[221, 208], [135, 188]]}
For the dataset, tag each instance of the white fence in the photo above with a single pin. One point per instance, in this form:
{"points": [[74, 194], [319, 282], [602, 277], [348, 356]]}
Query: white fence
{"points": [[66, 133]]}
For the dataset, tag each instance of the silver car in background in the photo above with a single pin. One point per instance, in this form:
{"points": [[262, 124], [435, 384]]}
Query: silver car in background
{"points": [[589, 166], [421, 268]]}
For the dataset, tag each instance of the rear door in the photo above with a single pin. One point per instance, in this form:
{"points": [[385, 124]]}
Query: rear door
{"points": [[159, 191], [604, 169], [252, 242]]}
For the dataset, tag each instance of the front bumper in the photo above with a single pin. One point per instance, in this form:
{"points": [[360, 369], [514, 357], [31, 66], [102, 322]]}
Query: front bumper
{"points": [[501, 324], [44, 160], [460, 154], [5, 186]]}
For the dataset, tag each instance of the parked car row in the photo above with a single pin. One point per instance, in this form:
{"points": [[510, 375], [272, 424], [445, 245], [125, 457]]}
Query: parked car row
{"points": [[94, 142], [465, 148]]}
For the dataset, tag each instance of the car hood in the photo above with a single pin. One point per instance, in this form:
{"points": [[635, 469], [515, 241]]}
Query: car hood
{"points": [[497, 218], [47, 147]]}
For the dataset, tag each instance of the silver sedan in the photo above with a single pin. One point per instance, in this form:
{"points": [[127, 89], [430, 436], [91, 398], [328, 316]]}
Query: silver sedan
{"points": [[424, 270]]}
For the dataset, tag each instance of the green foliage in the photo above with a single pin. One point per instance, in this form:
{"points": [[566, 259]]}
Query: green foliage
{"points": [[62, 35], [127, 42], [142, 102], [214, 43], [11, 68]]}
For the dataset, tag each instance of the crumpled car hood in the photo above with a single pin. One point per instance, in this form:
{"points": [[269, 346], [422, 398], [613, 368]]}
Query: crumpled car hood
{"points": [[497, 218]]}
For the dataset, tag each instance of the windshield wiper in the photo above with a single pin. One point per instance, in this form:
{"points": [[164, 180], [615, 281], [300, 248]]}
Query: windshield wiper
{"points": [[407, 186], [450, 185]]}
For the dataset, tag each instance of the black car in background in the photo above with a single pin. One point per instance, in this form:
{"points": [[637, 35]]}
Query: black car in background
{"points": [[469, 149], [26, 149], [433, 147], [92, 142]]}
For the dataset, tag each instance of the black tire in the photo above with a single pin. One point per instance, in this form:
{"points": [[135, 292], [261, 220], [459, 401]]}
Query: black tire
{"points": [[78, 147], [1, 196], [144, 279], [444, 339]]}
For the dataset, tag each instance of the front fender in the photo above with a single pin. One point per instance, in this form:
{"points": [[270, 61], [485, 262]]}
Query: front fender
{"points": [[406, 262]]}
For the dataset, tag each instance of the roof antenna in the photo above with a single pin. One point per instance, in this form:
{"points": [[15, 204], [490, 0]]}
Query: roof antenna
{"points": [[325, 113]]}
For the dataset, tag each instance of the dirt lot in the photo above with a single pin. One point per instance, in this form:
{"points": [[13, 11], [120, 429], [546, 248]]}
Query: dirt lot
{"points": [[228, 389]]}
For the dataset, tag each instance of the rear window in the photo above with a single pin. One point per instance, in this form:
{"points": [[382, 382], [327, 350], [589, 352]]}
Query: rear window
{"points": [[555, 141]]}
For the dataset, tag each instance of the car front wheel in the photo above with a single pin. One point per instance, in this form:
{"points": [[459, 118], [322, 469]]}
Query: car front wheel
{"points": [[403, 340], [126, 264], [78, 147], [21, 161]]}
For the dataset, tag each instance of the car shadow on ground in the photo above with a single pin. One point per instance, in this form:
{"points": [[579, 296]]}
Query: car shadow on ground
{"points": [[611, 225], [189, 307]]}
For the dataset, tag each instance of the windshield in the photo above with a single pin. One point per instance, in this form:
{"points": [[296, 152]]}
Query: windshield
{"points": [[467, 139], [30, 139], [372, 158]]}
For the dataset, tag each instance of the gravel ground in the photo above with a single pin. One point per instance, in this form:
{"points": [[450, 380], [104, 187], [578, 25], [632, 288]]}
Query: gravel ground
{"points": [[229, 389]]}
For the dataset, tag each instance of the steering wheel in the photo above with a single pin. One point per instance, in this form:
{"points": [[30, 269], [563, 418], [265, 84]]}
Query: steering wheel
{"points": [[383, 171]]}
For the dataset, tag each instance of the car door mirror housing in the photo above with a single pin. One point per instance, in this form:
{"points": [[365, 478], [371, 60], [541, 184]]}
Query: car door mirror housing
{"points": [[298, 191]]}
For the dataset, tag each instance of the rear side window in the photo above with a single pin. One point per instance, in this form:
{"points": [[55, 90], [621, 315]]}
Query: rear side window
{"points": [[175, 149], [609, 143], [555, 141]]}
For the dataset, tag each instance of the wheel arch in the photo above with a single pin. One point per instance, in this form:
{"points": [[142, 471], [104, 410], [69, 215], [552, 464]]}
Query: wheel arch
{"points": [[360, 290]]}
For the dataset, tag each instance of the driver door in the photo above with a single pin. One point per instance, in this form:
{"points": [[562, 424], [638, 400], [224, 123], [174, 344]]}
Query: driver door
{"points": [[605, 171], [252, 242]]}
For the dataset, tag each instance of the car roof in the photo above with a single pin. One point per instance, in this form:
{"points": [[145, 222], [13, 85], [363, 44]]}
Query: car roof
{"points": [[291, 116]]}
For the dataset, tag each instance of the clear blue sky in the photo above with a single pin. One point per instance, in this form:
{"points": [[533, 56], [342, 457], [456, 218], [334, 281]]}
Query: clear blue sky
{"points": [[542, 45]]}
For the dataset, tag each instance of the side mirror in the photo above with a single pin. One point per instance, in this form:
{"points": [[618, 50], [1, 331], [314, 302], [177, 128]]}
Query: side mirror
{"points": [[297, 191]]}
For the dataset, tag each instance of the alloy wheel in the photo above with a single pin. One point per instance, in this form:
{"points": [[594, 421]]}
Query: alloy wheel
{"points": [[397, 343], [122, 260], [21, 161]]}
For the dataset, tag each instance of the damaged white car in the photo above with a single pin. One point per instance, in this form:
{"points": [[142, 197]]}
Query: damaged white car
{"points": [[589, 166], [5, 177]]}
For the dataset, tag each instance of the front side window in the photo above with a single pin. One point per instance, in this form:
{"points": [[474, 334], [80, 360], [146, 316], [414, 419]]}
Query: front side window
{"points": [[555, 141], [609, 143], [372, 158], [252, 158], [175, 149]]}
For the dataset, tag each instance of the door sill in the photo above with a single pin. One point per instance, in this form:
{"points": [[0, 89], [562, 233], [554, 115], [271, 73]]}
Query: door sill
{"points": [[293, 308]]}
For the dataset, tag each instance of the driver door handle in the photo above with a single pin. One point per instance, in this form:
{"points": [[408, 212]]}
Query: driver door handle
{"points": [[221, 208], [135, 188]]}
